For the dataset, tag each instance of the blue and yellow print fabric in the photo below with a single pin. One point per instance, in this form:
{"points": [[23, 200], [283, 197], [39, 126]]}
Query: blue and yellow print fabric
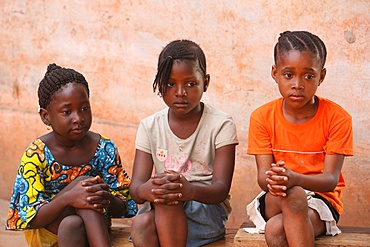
{"points": [[39, 178]]}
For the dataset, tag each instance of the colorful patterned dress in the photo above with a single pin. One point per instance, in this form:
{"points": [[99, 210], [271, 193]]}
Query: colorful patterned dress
{"points": [[40, 178]]}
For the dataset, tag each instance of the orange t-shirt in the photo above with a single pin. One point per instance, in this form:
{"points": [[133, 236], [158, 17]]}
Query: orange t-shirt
{"points": [[303, 146]]}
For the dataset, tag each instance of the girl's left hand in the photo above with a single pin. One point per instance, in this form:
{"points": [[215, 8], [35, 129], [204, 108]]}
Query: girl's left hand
{"points": [[98, 192]]}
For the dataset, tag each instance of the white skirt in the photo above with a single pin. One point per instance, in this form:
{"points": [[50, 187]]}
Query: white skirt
{"points": [[253, 210]]}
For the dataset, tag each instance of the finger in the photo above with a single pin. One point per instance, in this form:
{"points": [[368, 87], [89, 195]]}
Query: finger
{"points": [[162, 194], [158, 181], [163, 201], [277, 169], [97, 187], [87, 181], [278, 178], [280, 163], [278, 187], [168, 177], [102, 204]]}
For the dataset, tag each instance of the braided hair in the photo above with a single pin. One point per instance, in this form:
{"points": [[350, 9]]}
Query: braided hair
{"points": [[178, 49], [300, 41], [55, 78]]}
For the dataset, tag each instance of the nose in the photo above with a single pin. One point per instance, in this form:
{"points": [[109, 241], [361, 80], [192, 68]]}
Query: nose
{"points": [[297, 84], [77, 117], [181, 91]]}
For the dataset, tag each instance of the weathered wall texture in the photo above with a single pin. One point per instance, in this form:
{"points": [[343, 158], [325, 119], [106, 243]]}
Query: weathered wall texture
{"points": [[115, 44]]}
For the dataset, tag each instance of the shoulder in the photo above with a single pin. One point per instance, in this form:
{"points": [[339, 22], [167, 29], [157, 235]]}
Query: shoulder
{"points": [[215, 113], [36, 145], [332, 107], [270, 108], [105, 142], [154, 118]]}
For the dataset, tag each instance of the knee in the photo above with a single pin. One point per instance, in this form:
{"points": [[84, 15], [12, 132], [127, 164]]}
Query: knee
{"points": [[73, 224], [274, 232], [143, 230], [296, 200]]}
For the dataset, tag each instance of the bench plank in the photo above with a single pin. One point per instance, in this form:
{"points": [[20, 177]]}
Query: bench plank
{"points": [[351, 236]]}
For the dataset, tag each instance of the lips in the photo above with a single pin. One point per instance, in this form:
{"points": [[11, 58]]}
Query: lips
{"points": [[77, 130], [181, 104], [296, 96]]}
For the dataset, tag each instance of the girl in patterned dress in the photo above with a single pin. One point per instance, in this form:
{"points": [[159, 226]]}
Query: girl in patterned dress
{"points": [[69, 182]]}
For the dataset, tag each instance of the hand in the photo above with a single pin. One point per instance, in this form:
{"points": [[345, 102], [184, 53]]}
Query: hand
{"points": [[168, 187], [98, 193], [277, 178]]}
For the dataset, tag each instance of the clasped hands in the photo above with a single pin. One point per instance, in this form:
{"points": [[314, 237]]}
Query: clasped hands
{"points": [[169, 188], [278, 179], [91, 193]]}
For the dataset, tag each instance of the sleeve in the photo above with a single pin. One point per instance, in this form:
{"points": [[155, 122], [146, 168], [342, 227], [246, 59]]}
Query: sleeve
{"points": [[227, 134], [259, 138], [28, 191], [142, 139], [117, 178], [340, 140]]}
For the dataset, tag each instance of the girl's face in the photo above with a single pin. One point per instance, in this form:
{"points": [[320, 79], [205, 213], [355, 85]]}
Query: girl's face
{"points": [[298, 74], [69, 112], [185, 87]]}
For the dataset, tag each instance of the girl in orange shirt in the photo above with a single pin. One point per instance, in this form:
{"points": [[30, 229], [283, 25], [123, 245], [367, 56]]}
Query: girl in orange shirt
{"points": [[299, 142]]}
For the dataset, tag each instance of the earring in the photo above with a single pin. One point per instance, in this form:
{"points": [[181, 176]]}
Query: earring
{"points": [[48, 127]]}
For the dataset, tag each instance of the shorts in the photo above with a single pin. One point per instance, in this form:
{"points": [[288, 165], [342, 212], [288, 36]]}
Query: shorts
{"points": [[206, 222], [327, 213], [40, 237]]}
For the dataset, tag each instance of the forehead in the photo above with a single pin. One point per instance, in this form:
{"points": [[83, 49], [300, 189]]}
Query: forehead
{"points": [[295, 57], [71, 90], [186, 66]]}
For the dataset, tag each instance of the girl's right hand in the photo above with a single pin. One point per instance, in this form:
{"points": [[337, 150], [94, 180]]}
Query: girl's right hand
{"points": [[167, 186]]}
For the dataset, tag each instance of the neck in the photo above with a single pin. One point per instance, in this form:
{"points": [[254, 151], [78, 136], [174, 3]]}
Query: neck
{"points": [[301, 115]]}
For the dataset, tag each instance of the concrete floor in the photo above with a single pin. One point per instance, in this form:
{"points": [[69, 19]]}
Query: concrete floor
{"points": [[9, 238]]}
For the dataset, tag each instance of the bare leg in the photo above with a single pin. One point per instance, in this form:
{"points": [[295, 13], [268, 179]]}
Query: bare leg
{"points": [[274, 232], [172, 226], [71, 232], [96, 227], [143, 230], [290, 217]]}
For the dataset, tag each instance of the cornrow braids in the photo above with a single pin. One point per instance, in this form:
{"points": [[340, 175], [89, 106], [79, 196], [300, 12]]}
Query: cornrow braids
{"points": [[178, 49], [300, 41], [55, 78]]}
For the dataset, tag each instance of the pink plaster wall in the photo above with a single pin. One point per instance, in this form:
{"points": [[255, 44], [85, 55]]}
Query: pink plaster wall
{"points": [[115, 44]]}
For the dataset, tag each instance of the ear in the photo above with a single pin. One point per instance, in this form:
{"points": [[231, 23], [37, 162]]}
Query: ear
{"points": [[44, 115], [322, 76], [274, 72], [207, 78]]}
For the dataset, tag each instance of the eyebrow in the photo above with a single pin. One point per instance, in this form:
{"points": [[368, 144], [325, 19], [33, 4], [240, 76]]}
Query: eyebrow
{"points": [[292, 68]]}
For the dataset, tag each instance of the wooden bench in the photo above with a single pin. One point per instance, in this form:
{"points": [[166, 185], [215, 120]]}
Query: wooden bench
{"points": [[350, 237], [121, 232]]}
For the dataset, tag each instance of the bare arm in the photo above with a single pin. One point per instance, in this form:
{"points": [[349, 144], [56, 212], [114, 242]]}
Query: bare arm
{"points": [[279, 178], [75, 195], [223, 170], [326, 181]]}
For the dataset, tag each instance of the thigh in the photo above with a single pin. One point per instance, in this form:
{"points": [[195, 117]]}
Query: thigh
{"points": [[317, 224]]}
